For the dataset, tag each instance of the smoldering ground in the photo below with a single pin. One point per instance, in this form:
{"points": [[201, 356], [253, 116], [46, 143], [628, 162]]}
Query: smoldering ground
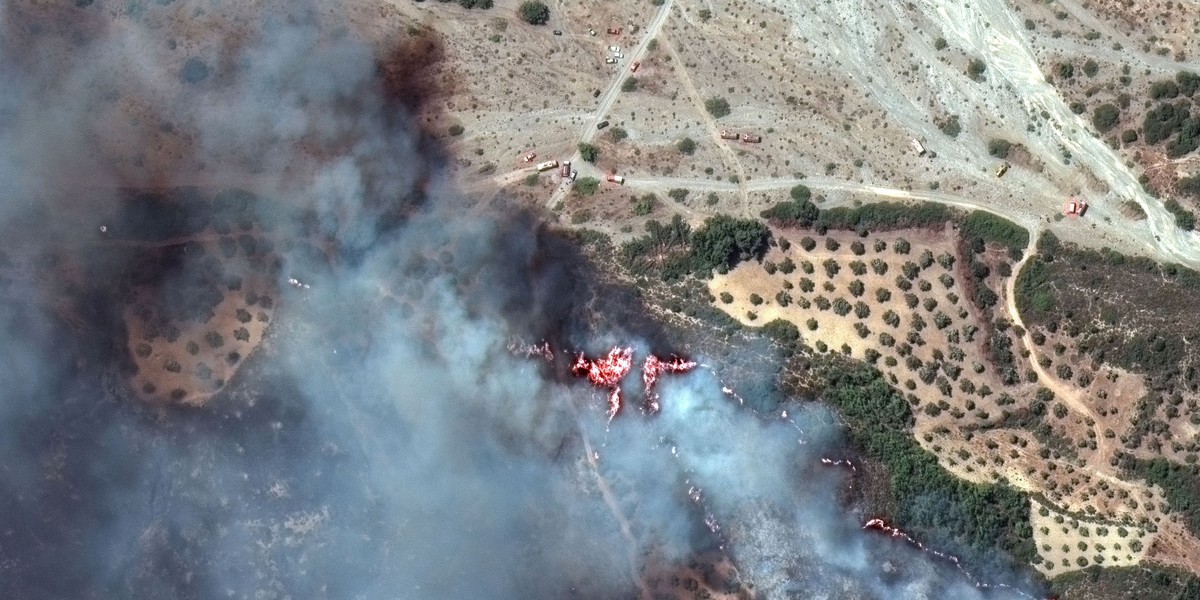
{"points": [[385, 442]]}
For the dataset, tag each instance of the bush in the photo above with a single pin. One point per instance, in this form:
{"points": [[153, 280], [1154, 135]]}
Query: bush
{"points": [[1163, 89], [950, 126], [787, 266], [1090, 68], [678, 194], [194, 71], [999, 148], [645, 205], [587, 186], [456, 130], [831, 267], [717, 107], [1189, 82], [726, 297], [534, 12], [1105, 117], [807, 243], [831, 244], [1184, 218], [588, 152], [940, 43], [862, 311], [975, 68], [1064, 70], [618, 133], [841, 307], [686, 146], [755, 299], [629, 85]]}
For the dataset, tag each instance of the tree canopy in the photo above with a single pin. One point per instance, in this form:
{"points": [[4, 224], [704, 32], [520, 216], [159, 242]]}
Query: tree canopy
{"points": [[534, 12], [724, 240]]}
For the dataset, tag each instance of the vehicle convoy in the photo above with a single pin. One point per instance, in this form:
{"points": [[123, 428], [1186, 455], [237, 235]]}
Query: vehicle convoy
{"points": [[728, 135], [546, 166]]}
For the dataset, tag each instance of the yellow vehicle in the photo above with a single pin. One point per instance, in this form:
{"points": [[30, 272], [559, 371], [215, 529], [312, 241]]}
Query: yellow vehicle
{"points": [[1002, 169]]}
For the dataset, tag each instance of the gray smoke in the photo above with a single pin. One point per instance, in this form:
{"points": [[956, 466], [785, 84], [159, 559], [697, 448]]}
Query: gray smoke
{"points": [[384, 442]]}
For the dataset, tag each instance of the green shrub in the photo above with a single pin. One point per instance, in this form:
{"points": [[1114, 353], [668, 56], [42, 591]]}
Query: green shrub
{"points": [[456, 130], [587, 186], [1105, 117], [999, 148], [588, 152], [717, 107], [975, 68], [686, 146], [950, 126], [629, 85], [534, 12], [645, 205], [1163, 89]]}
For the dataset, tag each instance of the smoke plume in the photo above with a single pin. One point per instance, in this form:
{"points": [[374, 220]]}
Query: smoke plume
{"points": [[383, 441]]}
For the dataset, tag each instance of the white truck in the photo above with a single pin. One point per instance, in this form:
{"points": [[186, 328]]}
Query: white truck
{"points": [[546, 166]]}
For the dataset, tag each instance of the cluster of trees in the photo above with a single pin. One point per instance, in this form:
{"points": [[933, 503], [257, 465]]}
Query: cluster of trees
{"points": [[674, 250], [1167, 120], [1105, 117], [1184, 218], [884, 216], [1180, 484], [982, 225], [1190, 186], [797, 212], [988, 523]]}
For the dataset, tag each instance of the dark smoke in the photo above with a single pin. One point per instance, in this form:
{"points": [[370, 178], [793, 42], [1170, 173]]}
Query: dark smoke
{"points": [[383, 442]]}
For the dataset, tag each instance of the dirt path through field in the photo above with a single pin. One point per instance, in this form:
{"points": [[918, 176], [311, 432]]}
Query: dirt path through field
{"points": [[1071, 395], [713, 131], [588, 131]]}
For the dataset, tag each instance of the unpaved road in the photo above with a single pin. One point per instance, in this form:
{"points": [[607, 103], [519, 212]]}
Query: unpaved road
{"points": [[588, 131]]}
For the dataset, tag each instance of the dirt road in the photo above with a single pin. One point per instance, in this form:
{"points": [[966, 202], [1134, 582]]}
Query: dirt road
{"points": [[588, 131]]}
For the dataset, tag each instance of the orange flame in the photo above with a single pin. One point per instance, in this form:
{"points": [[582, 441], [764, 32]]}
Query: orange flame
{"points": [[655, 366], [606, 372]]}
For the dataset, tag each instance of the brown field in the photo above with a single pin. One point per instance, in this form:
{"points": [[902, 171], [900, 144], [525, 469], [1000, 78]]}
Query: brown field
{"points": [[932, 344]]}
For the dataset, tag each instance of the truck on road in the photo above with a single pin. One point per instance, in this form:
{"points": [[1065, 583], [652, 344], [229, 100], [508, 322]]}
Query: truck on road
{"points": [[546, 166], [614, 178]]}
